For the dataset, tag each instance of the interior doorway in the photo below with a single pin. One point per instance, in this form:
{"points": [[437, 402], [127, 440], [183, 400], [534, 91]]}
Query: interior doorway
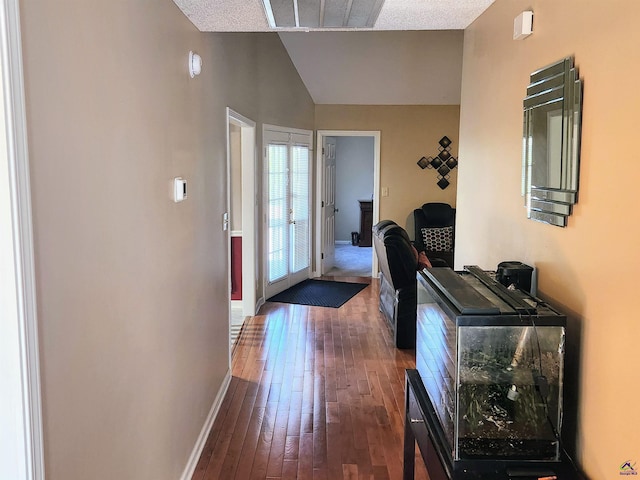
{"points": [[348, 180], [242, 206]]}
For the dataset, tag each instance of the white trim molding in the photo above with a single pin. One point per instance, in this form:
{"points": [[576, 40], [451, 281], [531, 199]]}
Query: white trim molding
{"points": [[206, 429], [20, 402]]}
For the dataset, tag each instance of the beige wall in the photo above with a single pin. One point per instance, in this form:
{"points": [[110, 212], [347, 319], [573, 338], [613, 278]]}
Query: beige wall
{"points": [[406, 134], [132, 308], [379, 67], [261, 84], [589, 268]]}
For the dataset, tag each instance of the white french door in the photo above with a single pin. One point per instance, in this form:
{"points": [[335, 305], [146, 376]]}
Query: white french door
{"points": [[288, 207], [328, 205]]}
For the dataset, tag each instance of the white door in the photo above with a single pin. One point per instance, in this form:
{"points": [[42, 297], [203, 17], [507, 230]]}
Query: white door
{"points": [[329, 204], [288, 219]]}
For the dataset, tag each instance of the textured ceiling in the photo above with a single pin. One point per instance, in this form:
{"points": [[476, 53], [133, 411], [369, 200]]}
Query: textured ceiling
{"points": [[249, 15]]}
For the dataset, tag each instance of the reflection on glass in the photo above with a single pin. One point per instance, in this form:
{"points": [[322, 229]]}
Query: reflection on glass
{"points": [[546, 133]]}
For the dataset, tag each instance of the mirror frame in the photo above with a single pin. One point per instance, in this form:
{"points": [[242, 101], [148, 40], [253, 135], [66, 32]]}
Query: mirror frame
{"points": [[555, 83]]}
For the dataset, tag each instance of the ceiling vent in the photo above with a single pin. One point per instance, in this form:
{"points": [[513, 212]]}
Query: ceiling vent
{"points": [[324, 14]]}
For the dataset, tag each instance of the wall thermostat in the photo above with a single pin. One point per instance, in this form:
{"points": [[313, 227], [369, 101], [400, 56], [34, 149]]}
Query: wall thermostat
{"points": [[179, 189]]}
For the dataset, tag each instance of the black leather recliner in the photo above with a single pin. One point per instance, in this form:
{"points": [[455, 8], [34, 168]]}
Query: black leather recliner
{"points": [[398, 264], [438, 222]]}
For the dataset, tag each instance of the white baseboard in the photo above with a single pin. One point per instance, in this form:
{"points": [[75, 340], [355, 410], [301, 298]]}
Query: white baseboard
{"points": [[343, 242], [206, 429]]}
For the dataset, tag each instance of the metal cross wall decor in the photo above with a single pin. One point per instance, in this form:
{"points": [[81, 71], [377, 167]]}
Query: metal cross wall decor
{"points": [[442, 163]]}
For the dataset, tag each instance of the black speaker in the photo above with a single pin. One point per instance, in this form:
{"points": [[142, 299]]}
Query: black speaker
{"points": [[515, 273]]}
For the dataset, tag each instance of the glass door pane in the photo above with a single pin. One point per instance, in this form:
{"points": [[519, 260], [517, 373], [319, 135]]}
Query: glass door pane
{"points": [[300, 214], [278, 215]]}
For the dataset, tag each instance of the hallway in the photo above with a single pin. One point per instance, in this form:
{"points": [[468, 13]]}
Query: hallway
{"points": [[316, 393]]}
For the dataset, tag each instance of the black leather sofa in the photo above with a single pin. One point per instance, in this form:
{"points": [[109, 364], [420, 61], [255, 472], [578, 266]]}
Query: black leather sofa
{"points": [[398, 263]]}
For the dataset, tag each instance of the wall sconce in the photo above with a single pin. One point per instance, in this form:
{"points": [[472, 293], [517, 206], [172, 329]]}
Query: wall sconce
{"points": [[195, 64], [442, 163], [523, 25]]}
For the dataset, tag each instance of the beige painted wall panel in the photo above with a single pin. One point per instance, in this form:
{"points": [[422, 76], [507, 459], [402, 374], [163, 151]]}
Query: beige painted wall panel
{"points": [[132, 308], [284, 100], [589, 268], [407, 134], [379, 68], [260, 82]]}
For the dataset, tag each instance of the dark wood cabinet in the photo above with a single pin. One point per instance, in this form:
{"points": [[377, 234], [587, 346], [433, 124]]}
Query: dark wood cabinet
{"points": [[366, 222]]}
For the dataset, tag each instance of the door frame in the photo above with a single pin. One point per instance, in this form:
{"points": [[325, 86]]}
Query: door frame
{"points": [[320, 181], [21, 403], [249, 209]]}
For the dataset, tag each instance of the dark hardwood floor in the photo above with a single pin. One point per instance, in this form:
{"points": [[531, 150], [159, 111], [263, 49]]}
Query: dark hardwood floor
{"points": [[317, 393]]}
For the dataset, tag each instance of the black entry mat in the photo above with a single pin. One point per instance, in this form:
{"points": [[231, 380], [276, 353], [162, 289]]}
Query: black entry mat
{"points": [[319, 293]]}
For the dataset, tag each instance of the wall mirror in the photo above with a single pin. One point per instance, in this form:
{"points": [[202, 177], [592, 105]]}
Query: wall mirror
{"points": [[551, 142]]}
